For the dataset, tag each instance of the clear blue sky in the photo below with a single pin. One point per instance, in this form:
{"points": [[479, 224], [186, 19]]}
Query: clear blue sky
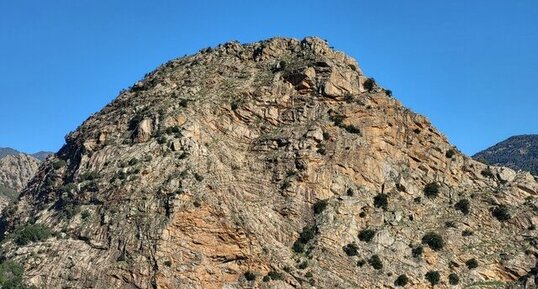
{"points": [[470, 66]]}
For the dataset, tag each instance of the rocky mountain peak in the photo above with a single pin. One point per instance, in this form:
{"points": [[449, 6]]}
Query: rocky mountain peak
{"points": [[275, 164]]}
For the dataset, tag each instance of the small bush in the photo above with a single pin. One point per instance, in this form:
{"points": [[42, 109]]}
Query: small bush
{"points": [[375, 262], [431, 190], [58, 164], [381, 201], [352, 129], [11, 275], [320, 206], [402, 280], [369, 84], [472, 263], [362, 214], [350, 192], [249, 276], [453, 279], [351, 249], [388, 92], [309, 275], [274, 275], [366, 235], [487, 173], [30, 233], [298, 247], [417, 251], [433, 240], [308, 234], [167, 263], [133, 161], [361, 263], [501, 213], [450, 153], [337, 119], [89, 176], [463, 206], [433, 277]]}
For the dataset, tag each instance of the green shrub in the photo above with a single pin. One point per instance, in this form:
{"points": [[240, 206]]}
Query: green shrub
{"points": [[402, 280], [308, 233], [11, 275], [167, 263], [320, 206], [351, 249], [463, 206], [361, 263], [351, 129], [366, 235], [381, 201], [453, 279], [337, 119], [309, 275], [388, 92], [433, 240], [369, 84], [89, 176], [274, 275], [417, 251], [431, 190], [375, 262], [298, 247], [450, 153], [433, 277], [249, 276], [58, 164], [501, 213], [30, 233], [472, 263]]}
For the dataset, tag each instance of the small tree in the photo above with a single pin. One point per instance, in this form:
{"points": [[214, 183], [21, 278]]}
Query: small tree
{"points": [[431, 190], [375, 262], [402, 280], [453, 279], [433, 240], [381, 201], [320, 206], [250, 276], [417, 251], [471, 263], [369, 84], [433, 277], [351, 249], [463, 206], [501, 213], [366, 235]]}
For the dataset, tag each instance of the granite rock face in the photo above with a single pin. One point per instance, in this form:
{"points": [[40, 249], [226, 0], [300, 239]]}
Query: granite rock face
{"points": [[259, 166]]}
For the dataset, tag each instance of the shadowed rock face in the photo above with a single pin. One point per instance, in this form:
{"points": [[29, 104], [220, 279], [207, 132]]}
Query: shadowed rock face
{"points": [[517, 152], [215, 166]]}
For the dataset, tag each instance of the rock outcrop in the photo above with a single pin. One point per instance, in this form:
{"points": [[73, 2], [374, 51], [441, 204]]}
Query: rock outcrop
{"points": [[276, 164]]}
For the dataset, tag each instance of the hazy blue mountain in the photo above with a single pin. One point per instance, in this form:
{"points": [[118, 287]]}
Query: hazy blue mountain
{"points": [[517, 152]]}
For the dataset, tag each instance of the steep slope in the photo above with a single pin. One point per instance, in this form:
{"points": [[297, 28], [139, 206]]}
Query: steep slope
{"points": [[276, 164], [517, 152]]}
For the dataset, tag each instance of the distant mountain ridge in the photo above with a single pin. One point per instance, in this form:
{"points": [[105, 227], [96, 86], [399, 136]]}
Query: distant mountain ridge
{"points": [[40, 155], [517, 152]]}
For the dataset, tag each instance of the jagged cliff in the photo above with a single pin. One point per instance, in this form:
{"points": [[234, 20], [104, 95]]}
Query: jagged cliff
{"points": [[276, 164]]}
